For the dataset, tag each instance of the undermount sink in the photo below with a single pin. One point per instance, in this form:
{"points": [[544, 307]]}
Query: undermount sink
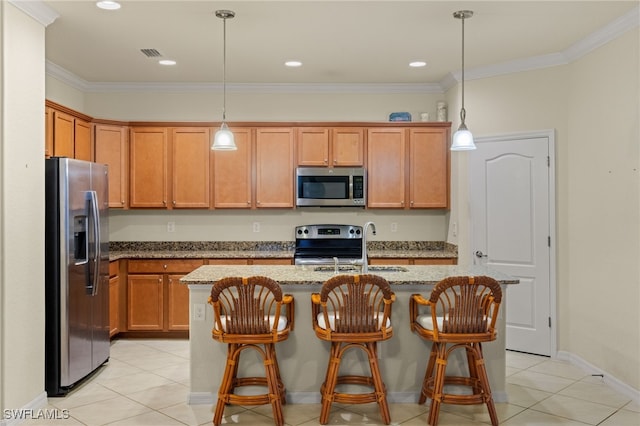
{"points": [[384, 268], [352, 268]]}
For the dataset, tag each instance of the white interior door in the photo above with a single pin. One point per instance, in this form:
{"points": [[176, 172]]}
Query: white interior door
{"points": [[511, 219]]}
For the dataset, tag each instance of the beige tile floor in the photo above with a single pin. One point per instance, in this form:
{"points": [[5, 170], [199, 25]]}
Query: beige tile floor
{"points": [[146, 383]]}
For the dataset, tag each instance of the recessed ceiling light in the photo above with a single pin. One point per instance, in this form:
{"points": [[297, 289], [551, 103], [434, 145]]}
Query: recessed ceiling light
{"points": [[293, 63], [166, 62], [417, 64], [108, 5]]}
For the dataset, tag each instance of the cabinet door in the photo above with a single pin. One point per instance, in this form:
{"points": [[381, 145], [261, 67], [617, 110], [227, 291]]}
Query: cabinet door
{"points": [[48, 124], [313, 146], [145, 302], [232, 174], [347, 146], [111, 149], [178, 304], [268, 261], [114, 306], [429, 168], [190, 171], [274, 167], [386, 168], [63, 127], [148, 170], [82, 140]]}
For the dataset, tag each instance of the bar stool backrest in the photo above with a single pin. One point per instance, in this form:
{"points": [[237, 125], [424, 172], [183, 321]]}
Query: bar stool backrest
{"points": [[357, 303], [247, 305]]}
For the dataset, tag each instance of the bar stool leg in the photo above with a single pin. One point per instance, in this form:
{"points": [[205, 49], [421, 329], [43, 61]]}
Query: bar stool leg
{"points": [[330, 382], [381, 394], [438, 383], [228, 379], [428, 375], [273, 380], [483, 379]]}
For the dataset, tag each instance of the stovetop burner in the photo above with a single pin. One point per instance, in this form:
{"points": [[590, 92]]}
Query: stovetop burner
{"points": [[319, 244]]}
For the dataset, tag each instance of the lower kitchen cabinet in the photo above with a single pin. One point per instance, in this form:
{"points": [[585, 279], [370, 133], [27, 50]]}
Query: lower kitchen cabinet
{"points": [[256, 261], [114, 298], [412, 261], [156, 300]]}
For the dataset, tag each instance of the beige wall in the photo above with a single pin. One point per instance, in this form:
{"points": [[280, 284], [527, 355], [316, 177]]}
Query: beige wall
{"points": [[21, 217], [601, 285]]}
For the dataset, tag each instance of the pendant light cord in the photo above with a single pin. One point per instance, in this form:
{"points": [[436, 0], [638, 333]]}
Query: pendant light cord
{"points": [[463, 112], [224, 69]]}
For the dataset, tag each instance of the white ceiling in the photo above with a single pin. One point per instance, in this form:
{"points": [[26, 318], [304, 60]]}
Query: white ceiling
{"points": [[339, 42]]}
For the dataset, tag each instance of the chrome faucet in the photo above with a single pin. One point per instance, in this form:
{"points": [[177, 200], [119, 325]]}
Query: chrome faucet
{"points": [[364, 261]]}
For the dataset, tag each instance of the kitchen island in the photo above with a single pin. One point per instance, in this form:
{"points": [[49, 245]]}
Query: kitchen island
{"points": [[303, 357]]}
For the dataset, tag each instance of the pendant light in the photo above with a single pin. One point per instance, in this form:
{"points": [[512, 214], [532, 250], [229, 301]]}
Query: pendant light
{"points": [[462, 138], [223, 139]]}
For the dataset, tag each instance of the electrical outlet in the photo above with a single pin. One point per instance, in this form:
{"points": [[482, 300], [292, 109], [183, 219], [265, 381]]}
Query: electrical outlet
{"points": [[454, 229], [198, 312], [394, 227], [171, 227], [256, 226]]}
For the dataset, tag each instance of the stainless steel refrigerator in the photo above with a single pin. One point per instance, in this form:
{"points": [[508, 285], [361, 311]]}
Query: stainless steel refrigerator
{"points": [[76, 272]]}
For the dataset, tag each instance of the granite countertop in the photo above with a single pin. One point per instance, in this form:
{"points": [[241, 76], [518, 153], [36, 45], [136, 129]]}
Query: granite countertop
{"points": [[266, 249], [307, 275]]}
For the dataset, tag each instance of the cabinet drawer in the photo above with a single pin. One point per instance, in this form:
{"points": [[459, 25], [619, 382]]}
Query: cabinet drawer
{"points": [[113, 268], [143, 266]]}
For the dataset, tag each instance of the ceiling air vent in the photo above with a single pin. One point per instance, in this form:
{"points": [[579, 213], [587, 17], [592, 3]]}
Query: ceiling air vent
{"points": [[151, 53]]}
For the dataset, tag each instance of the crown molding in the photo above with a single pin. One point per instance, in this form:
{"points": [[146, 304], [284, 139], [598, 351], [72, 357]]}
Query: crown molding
{"points": [[594, 40], [577, 50], [37, 10]]}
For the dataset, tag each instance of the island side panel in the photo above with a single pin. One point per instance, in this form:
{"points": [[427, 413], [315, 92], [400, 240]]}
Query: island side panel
{"points": [[303, 357]]}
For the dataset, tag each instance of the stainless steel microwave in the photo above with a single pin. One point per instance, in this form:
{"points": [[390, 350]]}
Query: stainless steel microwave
{"points": [[331, 187]]}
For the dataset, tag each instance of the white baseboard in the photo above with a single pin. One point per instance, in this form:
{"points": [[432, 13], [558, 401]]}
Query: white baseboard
{"points": [[609, 379], [27, 412], [196, 398]]}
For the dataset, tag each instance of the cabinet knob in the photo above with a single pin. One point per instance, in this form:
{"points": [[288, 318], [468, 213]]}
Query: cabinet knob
{"points": [[326, 161], [164, 266], [164, 202], [249, 202], [122, 202], [174, 202]]}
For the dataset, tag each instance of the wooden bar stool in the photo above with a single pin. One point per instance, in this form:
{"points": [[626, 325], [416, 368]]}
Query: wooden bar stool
{"points": [[463, 314], [353, 311], [248, 315]]}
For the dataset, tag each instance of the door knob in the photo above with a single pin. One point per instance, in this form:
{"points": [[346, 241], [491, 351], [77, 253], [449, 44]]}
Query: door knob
{"points": [[481, 254]]}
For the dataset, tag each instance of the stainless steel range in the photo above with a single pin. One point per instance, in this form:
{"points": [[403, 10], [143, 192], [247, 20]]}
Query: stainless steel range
{"points": [[320, 244]]}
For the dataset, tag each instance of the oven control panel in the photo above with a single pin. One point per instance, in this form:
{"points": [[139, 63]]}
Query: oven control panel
{"points": [[328, 231]]}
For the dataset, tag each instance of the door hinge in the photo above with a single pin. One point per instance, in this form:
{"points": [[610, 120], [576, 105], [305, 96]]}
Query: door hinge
{"points": [[549, 322], [549, 241], [548, 161]]}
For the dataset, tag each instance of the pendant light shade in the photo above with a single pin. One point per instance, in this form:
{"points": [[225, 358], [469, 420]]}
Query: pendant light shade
{"points": [[462, 138], [223, 139]]}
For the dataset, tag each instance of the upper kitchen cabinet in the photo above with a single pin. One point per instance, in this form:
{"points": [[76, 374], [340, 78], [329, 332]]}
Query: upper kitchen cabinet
{"points": [[68, 134], [429, 171], [386, 152], [48, 125], [190, 167], [148, 171], [408, 167], [82, 141], [232, 173], [329, 147], [111, 149], [169, 167], [63, 134], [274, 167]]}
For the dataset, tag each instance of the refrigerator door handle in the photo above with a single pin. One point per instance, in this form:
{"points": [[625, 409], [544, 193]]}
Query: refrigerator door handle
{"points": [[94, 279]]}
